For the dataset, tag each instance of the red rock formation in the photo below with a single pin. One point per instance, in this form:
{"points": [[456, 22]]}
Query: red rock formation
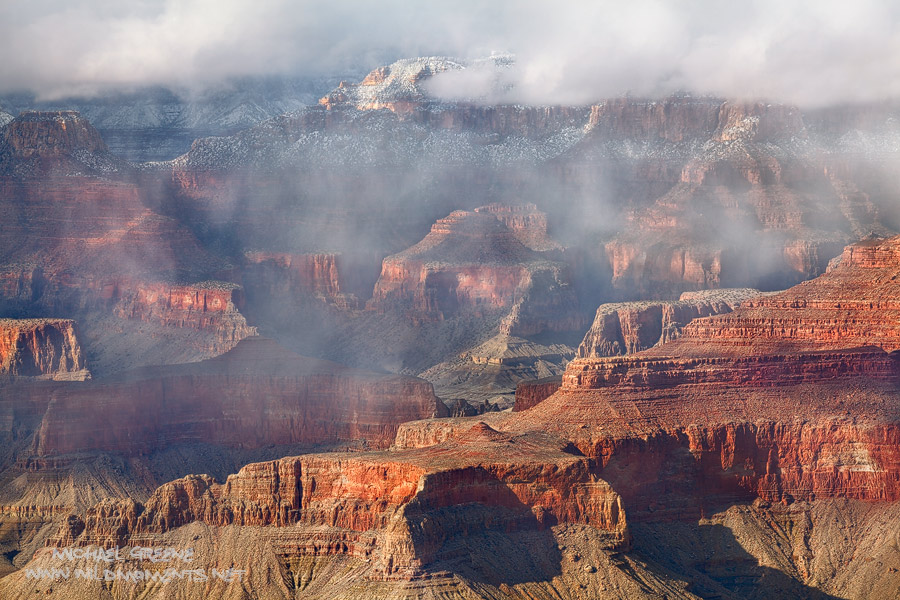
{"points": [[753, 207], [664, 435], [471, 262], [395, 508], [853, 304], [767, 399], [764, 402], [629, 327], [79, 238], [530, 393], [211, 306], [258, 394], [50, 135], [35, 347]]}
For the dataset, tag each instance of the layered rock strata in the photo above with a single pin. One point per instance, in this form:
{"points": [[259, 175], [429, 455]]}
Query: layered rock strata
{"points": [[41, 347], [471, 262], [299, 277], [629, 327], [399, 510], [304, 402]]}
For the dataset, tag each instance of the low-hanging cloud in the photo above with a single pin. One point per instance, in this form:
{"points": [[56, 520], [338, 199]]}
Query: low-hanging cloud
{"points": [[802, 51]]}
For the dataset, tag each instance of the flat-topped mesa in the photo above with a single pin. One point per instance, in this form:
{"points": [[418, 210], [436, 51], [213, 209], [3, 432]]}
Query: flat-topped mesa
{"points": [[41, 348], [399, 509], [50, 134], [855, 303], [210, 306], [472, 263], [629, 327], [682, 119], [297, 277], [258, 394]]}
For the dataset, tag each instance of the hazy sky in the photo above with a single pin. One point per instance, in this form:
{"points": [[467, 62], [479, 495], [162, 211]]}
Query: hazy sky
{"points": [[809, 52]]}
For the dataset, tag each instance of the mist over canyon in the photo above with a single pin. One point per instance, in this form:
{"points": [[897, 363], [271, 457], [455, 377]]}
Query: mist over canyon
{"points": [[601, 306]]}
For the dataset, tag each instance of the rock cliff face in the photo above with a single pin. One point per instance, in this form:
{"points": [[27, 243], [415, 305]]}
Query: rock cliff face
{"points": [[751, 404], [722, 194], [471, 262], [305, 401], [51, 135], [397, 510], [211, 307], [526, 222], [850, 305], [41, 347], [299, 277], [769, 400], [79, 238], [531, 393], [60, 140], [629, 327]]}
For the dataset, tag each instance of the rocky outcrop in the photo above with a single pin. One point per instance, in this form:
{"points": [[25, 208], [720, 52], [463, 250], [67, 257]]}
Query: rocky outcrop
{"points": [[527, 223], [41, 347], [258, 394], [493, 370], [395, 87], [629, 327], [767, 401], [720, 194], [211, 307], [853, 304], [471, 262], [775, 400], [396, 509], [60, 141], [51, 135], [531, 393]]}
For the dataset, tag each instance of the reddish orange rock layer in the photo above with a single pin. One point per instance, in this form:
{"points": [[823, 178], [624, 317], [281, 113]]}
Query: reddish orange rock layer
{"points": [[853, 304], [33, 347], [531, 393], [400, 502], [766, 400], [258, 394], [471, 262]]}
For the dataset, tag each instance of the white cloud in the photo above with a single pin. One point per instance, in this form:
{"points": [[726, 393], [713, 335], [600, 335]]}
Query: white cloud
{"points": [[809, 52]]}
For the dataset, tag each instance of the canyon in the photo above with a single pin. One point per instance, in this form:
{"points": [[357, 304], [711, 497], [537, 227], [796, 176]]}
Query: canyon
{"points": [[264, 349], [683, 432]]}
